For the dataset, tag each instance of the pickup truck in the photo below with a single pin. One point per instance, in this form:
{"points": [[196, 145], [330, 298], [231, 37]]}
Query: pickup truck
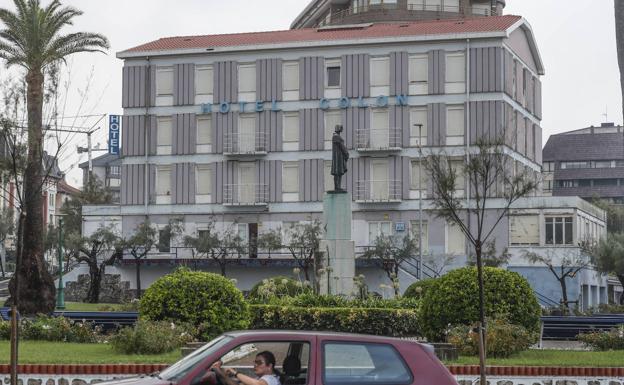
{"points": [[308, 358]]}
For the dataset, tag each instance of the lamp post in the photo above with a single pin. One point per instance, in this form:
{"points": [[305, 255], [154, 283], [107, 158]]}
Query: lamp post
{"points": [[420, 218], [60, 292]]}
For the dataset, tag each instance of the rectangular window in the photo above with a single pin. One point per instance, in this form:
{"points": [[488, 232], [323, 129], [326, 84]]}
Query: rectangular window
{"points": [[246, 140], [455, 73], [379, 184], [559, 230], [204, 80], [290, 80], [164, 81], [332, 119], [164, 241], [375, 364], [114, 170], [163, 181], [419, 176], [247, 82], [380, 130], [163, 136], [379, 76], [458, 166], [204, 186], [455, 125], [418, 135], [451, 5], [204, 130], [290, 131], [524, 230], [549, 166], [423, 238], [51, 200], [377, 229], [332, 78], [290, 177], [418, 74], [455, 240], [481, 9], [328, 177]]}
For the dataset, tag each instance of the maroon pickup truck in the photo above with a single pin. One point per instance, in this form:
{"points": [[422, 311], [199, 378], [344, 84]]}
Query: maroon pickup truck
{"points": [[310, 358]]}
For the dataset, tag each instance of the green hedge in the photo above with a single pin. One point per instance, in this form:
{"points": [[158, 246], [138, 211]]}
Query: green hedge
{"points": [[388, 322], [277, 287]]}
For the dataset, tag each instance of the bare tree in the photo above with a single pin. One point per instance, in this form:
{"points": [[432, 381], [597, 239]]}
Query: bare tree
{"points": [[489, 176], [563, 268], [491, 258], [270, 240], [303, 243], [438, 262], [215, 245], [608, 257]]}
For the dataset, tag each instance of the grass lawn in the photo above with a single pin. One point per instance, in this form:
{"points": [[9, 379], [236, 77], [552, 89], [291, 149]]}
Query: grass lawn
{"points": [[552, 358], [82, 306], [36, 352]]}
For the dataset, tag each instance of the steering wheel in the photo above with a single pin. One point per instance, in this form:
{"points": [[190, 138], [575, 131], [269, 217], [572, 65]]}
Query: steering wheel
{"points": [[210, 378]]}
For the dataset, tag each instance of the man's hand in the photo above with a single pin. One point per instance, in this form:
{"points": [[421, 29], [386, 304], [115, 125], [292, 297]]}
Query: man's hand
{"points": [[217, 365], [230, 371]]}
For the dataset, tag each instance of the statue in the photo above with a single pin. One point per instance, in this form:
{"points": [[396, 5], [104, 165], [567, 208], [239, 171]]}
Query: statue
{"points": [[340, 155]]}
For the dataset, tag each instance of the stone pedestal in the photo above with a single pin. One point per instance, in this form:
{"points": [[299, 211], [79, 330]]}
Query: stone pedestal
{"points": [[337, 246]]}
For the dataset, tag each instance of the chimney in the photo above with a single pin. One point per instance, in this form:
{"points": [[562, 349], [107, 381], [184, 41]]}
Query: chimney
{"points": [[608, 124]]}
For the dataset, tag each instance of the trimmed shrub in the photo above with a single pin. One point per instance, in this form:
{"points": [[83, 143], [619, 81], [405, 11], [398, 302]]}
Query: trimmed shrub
{"points": [[418, 289], [388, 322], [207, 301], [453, 300], [503, 339], [330, 301], [611, 340], [277, 287], [147, 337], [44, 328]]}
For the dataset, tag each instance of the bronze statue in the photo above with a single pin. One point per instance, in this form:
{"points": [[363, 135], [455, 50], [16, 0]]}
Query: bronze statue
{"points": [[340, 155]]}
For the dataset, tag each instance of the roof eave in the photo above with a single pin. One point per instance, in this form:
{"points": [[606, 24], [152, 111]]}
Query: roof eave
{"points": [[307, 12], [313, 44], [526, 27]]}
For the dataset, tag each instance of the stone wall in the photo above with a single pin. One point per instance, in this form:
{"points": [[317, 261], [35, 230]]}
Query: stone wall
{"points": [[112, 289]]}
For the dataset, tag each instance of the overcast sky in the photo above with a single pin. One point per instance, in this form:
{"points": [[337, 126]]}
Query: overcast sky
{"points": [[576, 41]]}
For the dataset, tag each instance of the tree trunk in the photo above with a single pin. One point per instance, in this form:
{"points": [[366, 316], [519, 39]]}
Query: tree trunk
{"points": [[37, 292], [138, 277], [564, 294], [222, 266], [3, 259], [95, 281], [619, 38], [482, 324]]}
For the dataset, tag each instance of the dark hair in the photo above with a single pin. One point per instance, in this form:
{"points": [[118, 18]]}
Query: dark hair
{"points": [[269, 359]]}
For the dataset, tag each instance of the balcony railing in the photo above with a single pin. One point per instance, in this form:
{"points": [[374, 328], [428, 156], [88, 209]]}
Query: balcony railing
{"points": [[245, 144], [248, 194], [378, 191], [382, 139]]}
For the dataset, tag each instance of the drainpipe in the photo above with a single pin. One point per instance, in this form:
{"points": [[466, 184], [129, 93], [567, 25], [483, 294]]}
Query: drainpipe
{"points": [[148, 98]]}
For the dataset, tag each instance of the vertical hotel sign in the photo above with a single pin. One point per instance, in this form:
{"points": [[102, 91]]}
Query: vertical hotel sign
{"points": [[114, 130]]}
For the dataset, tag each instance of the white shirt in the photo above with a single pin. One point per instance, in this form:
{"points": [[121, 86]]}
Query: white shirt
{"points": [[270, 379]]}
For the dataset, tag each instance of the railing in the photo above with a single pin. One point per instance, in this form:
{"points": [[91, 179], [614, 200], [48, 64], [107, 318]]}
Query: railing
{"points": [[248, 194], [243, 143], [372, 191], [378, 139]]}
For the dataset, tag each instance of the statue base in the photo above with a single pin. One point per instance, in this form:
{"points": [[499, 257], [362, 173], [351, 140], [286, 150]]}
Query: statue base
{"points": [[338, 247]]}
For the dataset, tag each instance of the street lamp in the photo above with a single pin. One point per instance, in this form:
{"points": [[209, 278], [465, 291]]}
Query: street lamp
{"points": [[60, 291], [420, 218]]}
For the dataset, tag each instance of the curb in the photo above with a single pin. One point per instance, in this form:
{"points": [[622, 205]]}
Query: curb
{"points": [[458, 370]]}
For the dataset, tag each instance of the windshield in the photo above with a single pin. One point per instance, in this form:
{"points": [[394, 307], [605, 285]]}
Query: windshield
{"points": [[181, 368]]}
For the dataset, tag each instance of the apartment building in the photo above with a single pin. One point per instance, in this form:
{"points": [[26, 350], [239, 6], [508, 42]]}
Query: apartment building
{"points": [[107, 168], [238, 127]]}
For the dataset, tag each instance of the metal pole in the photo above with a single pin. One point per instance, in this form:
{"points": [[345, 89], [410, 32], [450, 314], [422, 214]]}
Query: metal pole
{"points": [[90, 157], [15, 304], [60, 292], [420, 218]]}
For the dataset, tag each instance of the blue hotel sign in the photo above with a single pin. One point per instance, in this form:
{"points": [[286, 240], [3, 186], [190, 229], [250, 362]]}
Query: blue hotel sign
{"points": [[324, 104], [114, 129]]}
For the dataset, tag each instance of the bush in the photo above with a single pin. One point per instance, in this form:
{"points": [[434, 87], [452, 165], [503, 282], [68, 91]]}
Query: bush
{"points": [[207, 301], [452, 300], [611, 340], [277, 287], [418, 289], [147, 337], [503, 339], [44, 328], [330, 301], [388, 322]]}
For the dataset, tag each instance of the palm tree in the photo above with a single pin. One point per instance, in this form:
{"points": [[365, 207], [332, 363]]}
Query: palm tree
{"points": [[619, 37], [32, 39]]}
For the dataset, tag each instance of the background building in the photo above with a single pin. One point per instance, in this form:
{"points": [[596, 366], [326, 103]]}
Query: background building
{"points": [[107, 168]]}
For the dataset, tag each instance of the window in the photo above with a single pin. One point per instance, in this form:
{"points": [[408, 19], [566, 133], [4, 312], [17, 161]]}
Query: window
{"points": [[558, 230], [548, 185], [419, 176], [332, 78], [328, 177], [455, 125], [242, 229], [114, 170], [51, 200], [424, 235], [204, 185], [568, 165], [418, 135], [290, 80], [290, 177], [163, 136], [204, 131], [584, 182], [567, 183], [455, 73], [548, 167], [418, 74], [377, 229], [458, 166], [605, 182], [246, 140], [359, 363], [455, 240], [332, 119], [524, 230], [163, 184], [380, 131], [164, 241], [204, 80], [602, 164], [379, 184], [164, 81], [247, 82], [380, 76], [451, 5], [290, 131], [481, 9]]}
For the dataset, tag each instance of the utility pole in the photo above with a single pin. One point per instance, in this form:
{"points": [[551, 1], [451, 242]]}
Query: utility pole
{"points": [[420, 217], [89, 152], [60, 292]]}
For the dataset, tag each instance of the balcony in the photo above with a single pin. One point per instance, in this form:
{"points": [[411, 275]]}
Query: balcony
{"points": [[248, 194], [378, 140], [378, 191], [245, 144]]}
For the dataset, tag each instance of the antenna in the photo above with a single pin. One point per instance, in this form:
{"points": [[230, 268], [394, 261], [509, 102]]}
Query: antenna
{"points": [[606, 114]]}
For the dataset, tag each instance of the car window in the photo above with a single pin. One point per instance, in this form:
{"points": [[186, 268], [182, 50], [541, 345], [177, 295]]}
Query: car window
{"points": [[359, 363], [181, 368]]}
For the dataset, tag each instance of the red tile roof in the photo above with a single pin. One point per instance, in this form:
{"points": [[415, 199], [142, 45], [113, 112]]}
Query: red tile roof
{"points": [[420, 28]]}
